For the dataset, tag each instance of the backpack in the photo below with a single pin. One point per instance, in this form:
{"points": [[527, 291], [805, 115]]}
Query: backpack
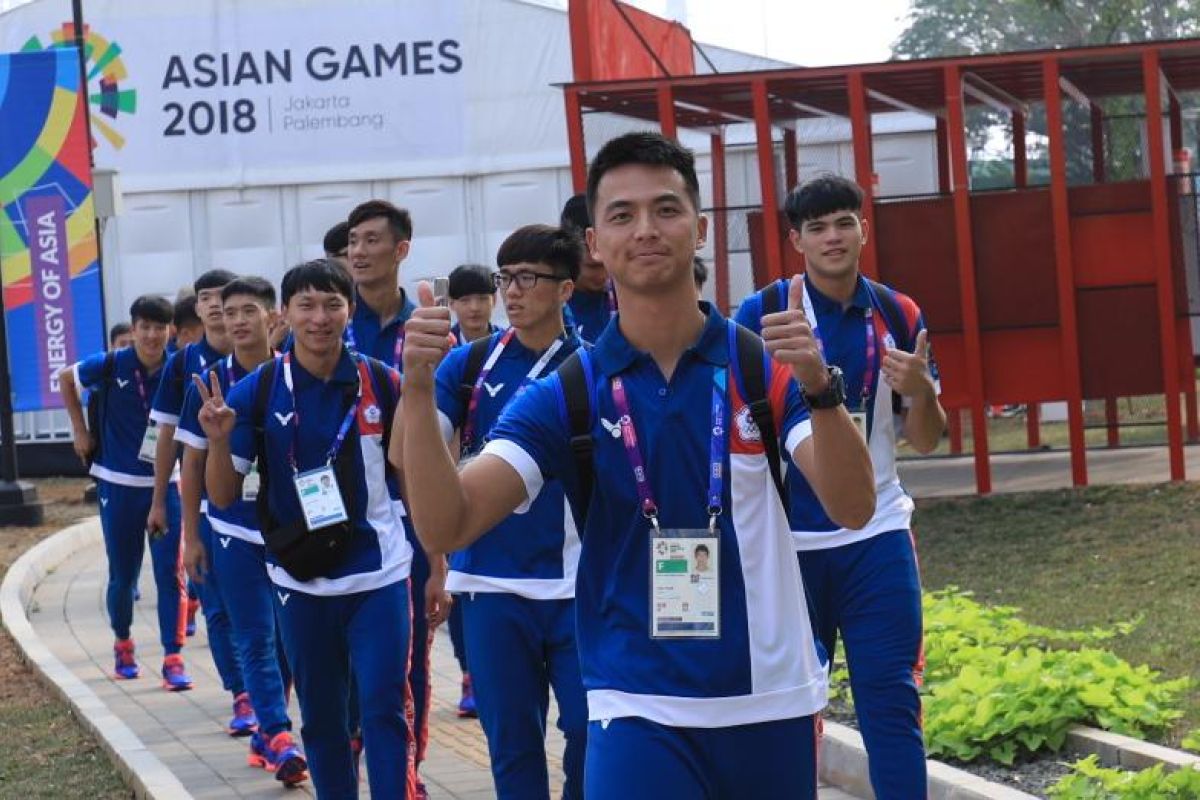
{"points": [[312, 554], [577, 400], [97, 405], [893, 318]]}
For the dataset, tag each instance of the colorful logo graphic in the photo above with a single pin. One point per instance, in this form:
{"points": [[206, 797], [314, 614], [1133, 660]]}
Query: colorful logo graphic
{"points": [[105, 71]]}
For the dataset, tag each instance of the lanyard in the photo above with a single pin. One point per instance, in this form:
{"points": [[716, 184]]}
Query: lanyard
{"points": [[716, 451], [139, 380], [398, 350], [468, 433], [610, 295], [871, 365], [231, 376], [294, 422]]}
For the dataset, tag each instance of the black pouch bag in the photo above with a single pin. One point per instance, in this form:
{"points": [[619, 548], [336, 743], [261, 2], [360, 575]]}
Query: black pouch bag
{"points": [[303, 553]]}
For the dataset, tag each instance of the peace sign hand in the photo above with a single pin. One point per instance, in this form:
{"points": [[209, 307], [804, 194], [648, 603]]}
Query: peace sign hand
{"points": [[216, 418]]}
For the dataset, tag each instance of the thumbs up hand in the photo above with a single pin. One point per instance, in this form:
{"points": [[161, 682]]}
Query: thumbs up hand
{"points": [[426, 340], [908, 373], [790, 340]]}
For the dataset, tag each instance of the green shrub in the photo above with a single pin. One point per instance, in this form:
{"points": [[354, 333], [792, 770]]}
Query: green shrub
{"points": [[1090, 781]]}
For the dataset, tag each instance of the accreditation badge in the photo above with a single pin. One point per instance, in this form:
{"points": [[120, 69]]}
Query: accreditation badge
{"points": [[149, 447], [320, 498], [685, 593], [251, 483]]}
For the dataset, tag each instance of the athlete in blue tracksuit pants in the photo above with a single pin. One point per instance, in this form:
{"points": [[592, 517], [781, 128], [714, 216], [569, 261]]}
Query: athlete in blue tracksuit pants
{"points": [[127, 379], [238, 556], [325, 417], [516, 584], [864, 583], [379, 239], [700, 666]]}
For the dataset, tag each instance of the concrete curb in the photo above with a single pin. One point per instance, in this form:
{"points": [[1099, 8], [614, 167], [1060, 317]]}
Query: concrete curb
{"points": [[141, 769], [1116, 750], [843, 763]]}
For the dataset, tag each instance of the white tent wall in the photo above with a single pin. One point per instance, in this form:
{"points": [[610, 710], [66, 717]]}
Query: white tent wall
{"points": [[473, 153]]}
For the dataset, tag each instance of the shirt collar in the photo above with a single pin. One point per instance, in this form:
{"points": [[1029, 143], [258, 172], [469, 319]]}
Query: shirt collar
{"points": [[860, 300], [362, 311], [615, 354], [346, 371]]}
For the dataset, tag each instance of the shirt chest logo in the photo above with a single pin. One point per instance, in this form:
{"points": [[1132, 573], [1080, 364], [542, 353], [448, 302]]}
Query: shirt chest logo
{"points": [[284, 419], [493, 390], [122, 382], [613, 428], [747, 430], [372, 414]]}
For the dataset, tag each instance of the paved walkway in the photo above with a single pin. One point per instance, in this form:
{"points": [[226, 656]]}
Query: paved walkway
{"points": [[186, 730]]}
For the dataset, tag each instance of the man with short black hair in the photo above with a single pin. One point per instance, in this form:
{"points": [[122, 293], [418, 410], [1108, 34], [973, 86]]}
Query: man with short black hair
{"points": [[669, 684], [188, 327], [516, 584], [594, 302], [863, 581], [190, 360], [126, 380], [337, 242], [337, 557], [472, 299], [119, 336]]}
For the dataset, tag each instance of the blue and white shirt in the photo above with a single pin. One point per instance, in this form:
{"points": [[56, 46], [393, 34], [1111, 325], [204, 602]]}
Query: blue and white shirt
{"points": [[181, 366], [240, 520], [309, 418], [367, 334], [765, 665], [534, 554], [844, 340], [461, 339], [126, 415]]}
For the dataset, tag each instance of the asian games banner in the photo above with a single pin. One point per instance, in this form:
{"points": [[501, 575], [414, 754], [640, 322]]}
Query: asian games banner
{"points": [[48, 257]]}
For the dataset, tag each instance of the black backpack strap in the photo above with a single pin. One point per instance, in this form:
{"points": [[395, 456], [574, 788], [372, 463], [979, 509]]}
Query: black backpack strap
{"points": [[578, 401], [754, 381], [262, 396], [769, 296], [477, 353]]}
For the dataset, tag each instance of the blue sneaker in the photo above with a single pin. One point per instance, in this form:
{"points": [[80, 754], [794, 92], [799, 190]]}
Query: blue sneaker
{"points": [[286, 760], [175, 677], [126, 668], [260, 754], [244, 721]]}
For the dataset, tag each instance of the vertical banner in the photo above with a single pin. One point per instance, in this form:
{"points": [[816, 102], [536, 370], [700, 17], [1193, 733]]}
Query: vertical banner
{"points": [[49, 262]]}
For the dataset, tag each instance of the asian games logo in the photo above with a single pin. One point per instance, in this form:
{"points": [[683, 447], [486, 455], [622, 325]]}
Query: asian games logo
{"points": [[105, 72]]}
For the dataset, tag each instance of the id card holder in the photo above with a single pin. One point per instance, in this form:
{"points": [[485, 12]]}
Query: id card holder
{"points": [[859, 418], [320, 498], [685, 584], [149, 447], [251, 483]]}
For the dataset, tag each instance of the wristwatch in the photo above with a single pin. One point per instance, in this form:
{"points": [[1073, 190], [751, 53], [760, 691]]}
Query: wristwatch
{"points": [[834, 394]]}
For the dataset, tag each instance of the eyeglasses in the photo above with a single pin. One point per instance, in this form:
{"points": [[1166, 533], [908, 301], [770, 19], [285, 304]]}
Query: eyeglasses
{"points": [[524, 279]]}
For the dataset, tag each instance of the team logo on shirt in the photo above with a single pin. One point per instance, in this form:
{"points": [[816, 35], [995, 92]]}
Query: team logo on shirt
{"points": [[122, 383], [224, 542], [493, 390], [888, 341], [372, 414], [284, 597], [284, 419], [747, 430], [613, 428]]}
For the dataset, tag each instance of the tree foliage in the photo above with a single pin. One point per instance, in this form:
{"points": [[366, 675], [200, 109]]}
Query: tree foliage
{"points": [[974, 27]]}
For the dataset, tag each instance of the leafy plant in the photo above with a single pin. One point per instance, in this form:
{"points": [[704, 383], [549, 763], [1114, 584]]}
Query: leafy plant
{"points": [[1090, 781], [1192, 741]]}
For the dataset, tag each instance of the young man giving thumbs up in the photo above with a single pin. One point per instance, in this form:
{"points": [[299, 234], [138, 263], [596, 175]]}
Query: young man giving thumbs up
{"points": [[695, 688], [863, 580]]}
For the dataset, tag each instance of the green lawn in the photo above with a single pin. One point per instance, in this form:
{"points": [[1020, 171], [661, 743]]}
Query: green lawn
{"points": [[1076, 558]]}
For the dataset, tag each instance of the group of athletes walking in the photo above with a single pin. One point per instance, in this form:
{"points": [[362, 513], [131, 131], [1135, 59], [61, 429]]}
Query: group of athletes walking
{"points": [[666, 518]]}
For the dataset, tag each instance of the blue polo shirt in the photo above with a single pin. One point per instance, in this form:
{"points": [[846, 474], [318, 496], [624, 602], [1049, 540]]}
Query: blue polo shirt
{"points": [[590, 313], [844, 340], [456, 332], [367, 334], [534, 554], [181, 366], [126, 415], [764, 666], [240, 520], [379, 553]]}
